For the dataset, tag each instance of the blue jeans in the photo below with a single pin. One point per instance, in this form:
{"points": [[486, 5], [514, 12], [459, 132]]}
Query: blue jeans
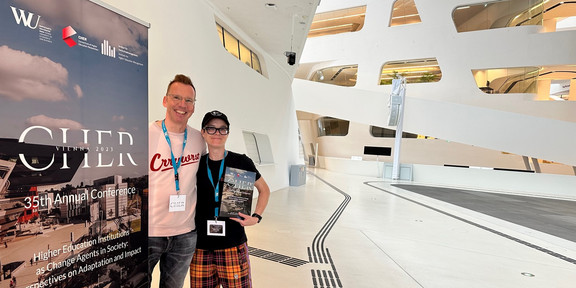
{"points": [[174, 254]]}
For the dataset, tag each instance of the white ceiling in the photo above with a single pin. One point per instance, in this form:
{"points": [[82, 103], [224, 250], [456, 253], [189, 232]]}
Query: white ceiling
{"points": [[276, 29]]}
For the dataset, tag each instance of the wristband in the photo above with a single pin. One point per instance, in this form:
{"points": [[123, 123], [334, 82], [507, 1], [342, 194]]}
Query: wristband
{"points": [[257, 216]]}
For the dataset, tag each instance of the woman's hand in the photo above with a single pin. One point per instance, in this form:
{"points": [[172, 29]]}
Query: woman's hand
{"points": [[246, 220]]}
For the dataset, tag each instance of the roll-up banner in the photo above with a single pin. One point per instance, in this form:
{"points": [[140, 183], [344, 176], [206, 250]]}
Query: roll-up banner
{"points": [[73, 145]]}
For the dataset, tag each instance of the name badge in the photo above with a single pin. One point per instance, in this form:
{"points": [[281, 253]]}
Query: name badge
{"points": [[216, 228], [177, 203]]}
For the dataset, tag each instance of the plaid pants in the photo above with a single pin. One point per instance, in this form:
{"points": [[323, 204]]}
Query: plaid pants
{"points": [[227, 267]]}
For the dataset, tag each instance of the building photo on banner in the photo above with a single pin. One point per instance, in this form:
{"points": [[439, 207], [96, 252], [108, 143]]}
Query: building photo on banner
{"points": [[73, 145]]}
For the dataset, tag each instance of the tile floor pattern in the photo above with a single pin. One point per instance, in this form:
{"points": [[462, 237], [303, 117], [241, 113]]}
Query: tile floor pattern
{"points": [[361, 232]]}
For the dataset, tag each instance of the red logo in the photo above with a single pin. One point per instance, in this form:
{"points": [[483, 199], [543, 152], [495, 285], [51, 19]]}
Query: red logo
{"points": [[158, 164], [67, 33]]}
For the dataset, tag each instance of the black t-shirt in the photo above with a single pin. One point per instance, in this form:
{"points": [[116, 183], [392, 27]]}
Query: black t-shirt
{"points": [[235, 234]]}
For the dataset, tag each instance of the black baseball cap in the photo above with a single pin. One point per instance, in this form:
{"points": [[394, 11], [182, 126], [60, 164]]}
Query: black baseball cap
{"points": [[214, 115]]}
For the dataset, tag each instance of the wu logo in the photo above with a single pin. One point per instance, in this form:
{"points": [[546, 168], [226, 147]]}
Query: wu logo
{"points": [[26, 19]]}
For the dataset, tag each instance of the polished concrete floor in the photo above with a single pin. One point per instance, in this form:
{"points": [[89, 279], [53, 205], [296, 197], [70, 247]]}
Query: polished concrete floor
{"points": [[352, 231], [348, 231]]}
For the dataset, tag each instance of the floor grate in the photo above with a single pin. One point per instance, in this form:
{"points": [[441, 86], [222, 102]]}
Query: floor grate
{"points": [[283, 259]]}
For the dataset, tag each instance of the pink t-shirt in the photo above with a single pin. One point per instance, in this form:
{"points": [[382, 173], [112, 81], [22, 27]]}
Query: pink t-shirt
{"points": [[161, 222]]}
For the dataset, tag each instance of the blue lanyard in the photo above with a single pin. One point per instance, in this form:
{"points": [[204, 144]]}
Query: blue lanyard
{"points": [[217, 186], [175, 164]]}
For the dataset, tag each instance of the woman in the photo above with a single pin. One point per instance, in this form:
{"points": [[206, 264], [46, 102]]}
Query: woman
{"points": [[221, 256]]}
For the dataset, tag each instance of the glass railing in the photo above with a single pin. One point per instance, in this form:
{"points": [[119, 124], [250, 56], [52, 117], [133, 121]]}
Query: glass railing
{"points": [[500, 14], [512, 13], [532, 16], [519, 83], [555, 9], [547, 82]]}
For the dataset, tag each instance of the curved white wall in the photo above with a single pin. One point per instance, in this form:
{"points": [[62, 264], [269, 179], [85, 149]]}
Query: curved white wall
{"points": [[453, 108], [183, 39]]}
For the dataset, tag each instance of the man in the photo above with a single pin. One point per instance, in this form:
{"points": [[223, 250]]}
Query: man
{"points": [[174, 151], [221, 256]]}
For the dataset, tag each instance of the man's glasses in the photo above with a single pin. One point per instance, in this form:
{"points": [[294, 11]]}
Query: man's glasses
{"points": [[212, 130], [178, 98]]}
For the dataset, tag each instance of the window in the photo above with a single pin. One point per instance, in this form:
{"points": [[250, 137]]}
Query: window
{"points": [[389, 133], [404, 12], [338, 75], [231, 44], [336, 22], [547, 82], [415, 71], [328, 126], [507, 80], [258, 147], [500, 14], [245, 55], [256, 63], [238, 49]]}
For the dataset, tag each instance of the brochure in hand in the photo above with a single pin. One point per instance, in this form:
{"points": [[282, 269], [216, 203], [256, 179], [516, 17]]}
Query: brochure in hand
{"points": [[237, 192]]}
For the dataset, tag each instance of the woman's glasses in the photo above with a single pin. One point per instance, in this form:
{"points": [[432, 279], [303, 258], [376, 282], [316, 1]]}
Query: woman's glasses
{"points": [[212, 130]]}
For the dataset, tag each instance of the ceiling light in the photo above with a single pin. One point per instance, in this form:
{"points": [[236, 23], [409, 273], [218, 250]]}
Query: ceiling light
{"points": [[338, 18], [405, 16], [331, 27]]}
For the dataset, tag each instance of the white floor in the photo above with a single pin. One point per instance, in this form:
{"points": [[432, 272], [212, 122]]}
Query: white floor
{"points": [[375, 235]]}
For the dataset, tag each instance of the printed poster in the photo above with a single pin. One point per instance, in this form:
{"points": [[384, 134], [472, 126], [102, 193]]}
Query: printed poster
{"points": [[237, 192], [73, 145]]}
